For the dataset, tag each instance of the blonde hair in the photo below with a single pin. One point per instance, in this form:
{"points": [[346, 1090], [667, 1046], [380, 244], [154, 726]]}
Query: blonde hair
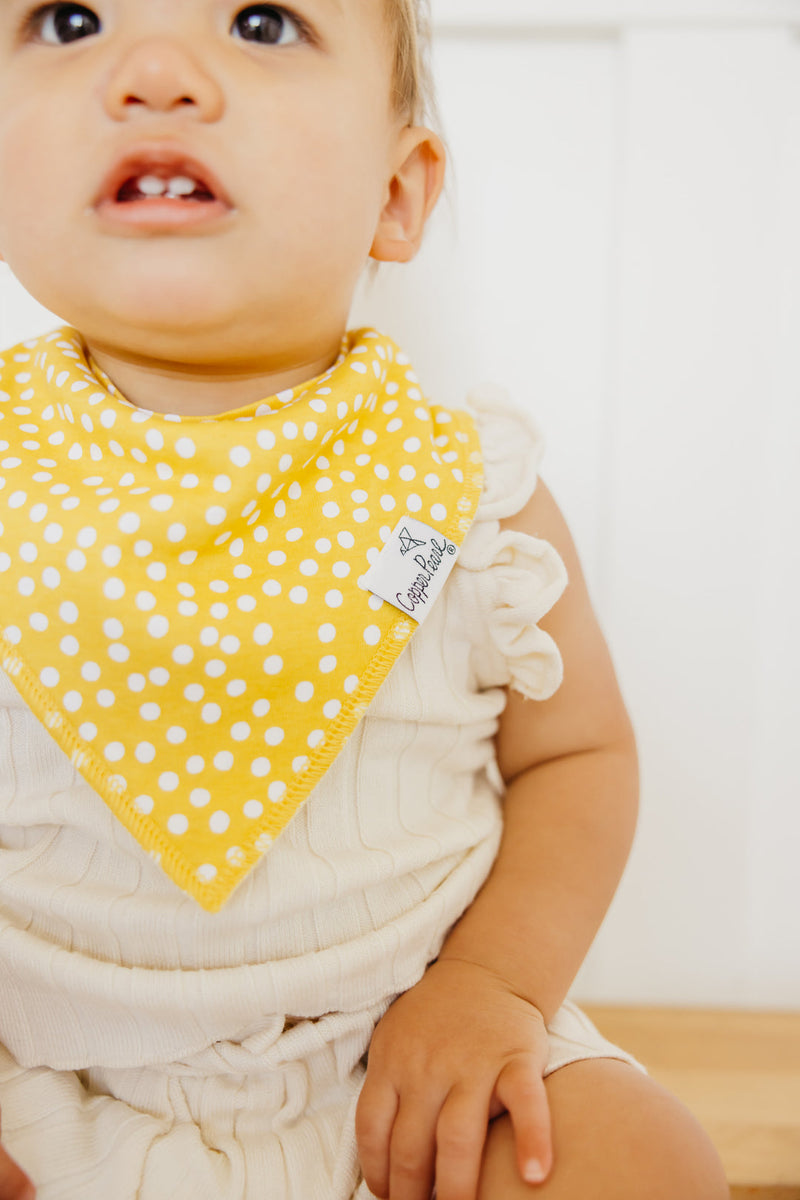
{"points": [[409, 24]]}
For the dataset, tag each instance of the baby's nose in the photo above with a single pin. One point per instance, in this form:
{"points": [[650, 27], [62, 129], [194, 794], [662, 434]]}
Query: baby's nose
{"points": [[161, 75]]}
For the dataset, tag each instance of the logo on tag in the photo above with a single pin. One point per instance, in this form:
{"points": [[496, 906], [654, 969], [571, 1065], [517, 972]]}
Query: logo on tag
{"points": [[412, 568]]}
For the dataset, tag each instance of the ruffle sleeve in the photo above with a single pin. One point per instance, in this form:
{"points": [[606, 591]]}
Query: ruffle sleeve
{"points": [[517, 578]]}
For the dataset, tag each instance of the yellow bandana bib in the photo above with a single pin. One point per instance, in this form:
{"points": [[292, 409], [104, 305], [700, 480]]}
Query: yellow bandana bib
{"points": [[189, 604]]}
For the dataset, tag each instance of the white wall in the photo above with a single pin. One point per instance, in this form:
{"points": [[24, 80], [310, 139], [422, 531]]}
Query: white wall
{"points": [[625, 257], [623, 254]]}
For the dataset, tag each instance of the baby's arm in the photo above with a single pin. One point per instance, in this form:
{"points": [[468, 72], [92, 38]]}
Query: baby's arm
{"points": [[469, 1041], [570, 806]]}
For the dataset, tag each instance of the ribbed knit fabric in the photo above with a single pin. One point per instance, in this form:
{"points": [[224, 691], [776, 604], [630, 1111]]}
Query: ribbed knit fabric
{"points": [[151, 1049]]}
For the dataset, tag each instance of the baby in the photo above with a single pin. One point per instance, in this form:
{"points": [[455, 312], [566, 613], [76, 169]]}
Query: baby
{"points": [[294, 879]]}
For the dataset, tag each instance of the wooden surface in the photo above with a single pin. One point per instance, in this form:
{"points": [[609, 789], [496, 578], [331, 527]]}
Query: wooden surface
{"points": [[738, 1072]]}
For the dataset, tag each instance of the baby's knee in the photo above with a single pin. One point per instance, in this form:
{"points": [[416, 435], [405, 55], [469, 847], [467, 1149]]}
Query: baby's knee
{"points": [[617, 1135]]}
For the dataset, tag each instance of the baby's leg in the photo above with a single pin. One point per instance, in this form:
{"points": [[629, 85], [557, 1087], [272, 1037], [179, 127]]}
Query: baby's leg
{"points": [[617, 1135]]}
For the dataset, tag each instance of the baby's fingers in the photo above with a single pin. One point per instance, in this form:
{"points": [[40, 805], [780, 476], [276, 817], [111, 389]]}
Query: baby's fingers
{"points": [[460, 1138], [14, 1183], [520, 1088], [413, 1149], [375, 1114]]}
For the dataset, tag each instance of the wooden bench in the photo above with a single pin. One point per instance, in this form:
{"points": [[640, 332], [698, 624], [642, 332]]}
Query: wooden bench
{"points": [[738, 1072]]}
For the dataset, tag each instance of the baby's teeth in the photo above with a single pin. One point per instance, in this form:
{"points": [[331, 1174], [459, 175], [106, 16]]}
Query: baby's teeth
{"points": [[151, 185], [181, 185]]}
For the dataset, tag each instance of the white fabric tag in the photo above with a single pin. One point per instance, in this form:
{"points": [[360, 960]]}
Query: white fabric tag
{"points": [[412, 568]]}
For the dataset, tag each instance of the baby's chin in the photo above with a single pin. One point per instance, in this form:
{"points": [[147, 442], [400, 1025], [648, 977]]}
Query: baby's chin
{"points": [[224, 350], [171, 326], [176, 302]]}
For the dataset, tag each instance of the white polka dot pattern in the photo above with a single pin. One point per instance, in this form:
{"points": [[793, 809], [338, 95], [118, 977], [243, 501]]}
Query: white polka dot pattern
{"points": [[183, 606]]}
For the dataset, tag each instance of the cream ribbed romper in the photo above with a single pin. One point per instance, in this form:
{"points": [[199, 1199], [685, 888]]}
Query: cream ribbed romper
{"points": [[152, 1050]]}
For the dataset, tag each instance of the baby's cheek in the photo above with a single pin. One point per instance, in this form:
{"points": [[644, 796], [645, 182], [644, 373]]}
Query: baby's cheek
{"points": [[26, 180], [43, 193], [346, 152]]}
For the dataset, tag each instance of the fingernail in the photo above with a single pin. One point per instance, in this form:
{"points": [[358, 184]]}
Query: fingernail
{"points": [[534, 1171]]}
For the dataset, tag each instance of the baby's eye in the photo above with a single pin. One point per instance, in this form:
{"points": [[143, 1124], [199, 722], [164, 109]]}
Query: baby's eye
{"points": [[267, 24], [57, 24]]}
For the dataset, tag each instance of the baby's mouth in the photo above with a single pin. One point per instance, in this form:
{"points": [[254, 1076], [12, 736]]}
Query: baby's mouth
{"points": [[158, 187], [173, 187]]}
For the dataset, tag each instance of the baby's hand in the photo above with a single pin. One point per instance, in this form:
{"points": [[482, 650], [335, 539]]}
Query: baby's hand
{"points": [[451, 1053], [14, 1183]]}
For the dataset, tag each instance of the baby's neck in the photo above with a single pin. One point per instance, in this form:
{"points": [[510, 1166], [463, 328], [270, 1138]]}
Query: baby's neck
{"points": [[202, 390]]}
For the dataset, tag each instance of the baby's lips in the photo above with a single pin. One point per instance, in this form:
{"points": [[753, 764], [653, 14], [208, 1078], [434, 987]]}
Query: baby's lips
{"points": [[158, 159]]}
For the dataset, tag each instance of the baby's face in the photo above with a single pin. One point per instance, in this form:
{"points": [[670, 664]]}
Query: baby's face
{"points": [[280, 119]]}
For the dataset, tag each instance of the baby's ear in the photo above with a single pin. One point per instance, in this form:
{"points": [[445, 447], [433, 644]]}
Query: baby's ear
{"points": [[411, 195]]}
